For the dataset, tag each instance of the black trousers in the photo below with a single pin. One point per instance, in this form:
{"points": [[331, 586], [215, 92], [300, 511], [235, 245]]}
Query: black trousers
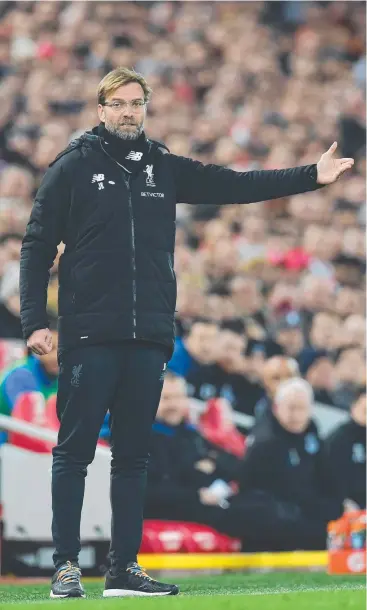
{"points": [[125, 378]]}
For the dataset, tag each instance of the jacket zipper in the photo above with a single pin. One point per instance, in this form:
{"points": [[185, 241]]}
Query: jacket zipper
{"points": [[126, 176], [127, 182]]}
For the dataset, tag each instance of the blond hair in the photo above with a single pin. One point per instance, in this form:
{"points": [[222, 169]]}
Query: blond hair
{"points": [[119, 77]]}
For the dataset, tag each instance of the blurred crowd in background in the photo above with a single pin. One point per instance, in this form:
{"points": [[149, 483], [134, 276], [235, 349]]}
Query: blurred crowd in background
{"points": [[266, 291], [247, 85]]}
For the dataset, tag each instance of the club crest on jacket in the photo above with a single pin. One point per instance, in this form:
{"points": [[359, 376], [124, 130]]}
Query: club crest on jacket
{"points": [[150, 176]]}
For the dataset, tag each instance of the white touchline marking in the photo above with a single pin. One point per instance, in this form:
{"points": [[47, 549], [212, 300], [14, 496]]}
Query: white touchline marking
{"points": [[280, 591], [301, 589]]}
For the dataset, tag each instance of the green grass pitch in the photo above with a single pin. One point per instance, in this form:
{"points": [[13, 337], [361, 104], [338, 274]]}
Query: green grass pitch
{"points": [[271, 591]]}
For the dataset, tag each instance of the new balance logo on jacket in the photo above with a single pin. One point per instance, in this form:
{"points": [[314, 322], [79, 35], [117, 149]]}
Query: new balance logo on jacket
{"points": [[134, 156]]}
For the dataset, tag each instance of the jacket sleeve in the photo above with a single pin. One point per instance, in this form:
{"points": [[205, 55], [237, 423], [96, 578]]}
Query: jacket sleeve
{"points": [[213, 184], [228, 465], [44, 232], [262, 466], [164, 489]]}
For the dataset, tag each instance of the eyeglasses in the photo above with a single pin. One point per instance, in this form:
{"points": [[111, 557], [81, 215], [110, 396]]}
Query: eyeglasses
{"points": [[135, 105]]}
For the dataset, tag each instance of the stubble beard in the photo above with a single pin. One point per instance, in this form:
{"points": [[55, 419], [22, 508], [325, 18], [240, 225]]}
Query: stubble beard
{"points": [[119, 132]]}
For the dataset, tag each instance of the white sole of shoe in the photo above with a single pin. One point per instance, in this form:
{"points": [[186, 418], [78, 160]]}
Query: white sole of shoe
{"points": [[54, 596], [128, 593]]}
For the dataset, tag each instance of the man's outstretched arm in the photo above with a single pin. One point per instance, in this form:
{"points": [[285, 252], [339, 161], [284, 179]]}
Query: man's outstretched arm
{"points": [[213, 184]]}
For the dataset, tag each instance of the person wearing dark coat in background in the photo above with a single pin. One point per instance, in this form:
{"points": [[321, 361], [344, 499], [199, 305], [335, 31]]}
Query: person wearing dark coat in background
{"points": [[316, 365], [281, 504], [183, 465], [344, 457], [226, 378], [10, 324], [287, 333], [196, 349]]}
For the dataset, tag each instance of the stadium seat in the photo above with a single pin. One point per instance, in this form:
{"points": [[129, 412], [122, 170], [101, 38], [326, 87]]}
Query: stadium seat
{"points": [[216, 425], [31, 408], [182, 537], [205, 539], [51, 419], [163, 537]]}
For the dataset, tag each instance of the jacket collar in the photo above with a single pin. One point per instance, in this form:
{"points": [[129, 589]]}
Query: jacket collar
{"points": [[91, 140]]}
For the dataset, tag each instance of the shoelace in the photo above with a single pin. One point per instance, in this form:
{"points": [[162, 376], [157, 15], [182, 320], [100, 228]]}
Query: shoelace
{"points": [[137, 570], [69, 573]]}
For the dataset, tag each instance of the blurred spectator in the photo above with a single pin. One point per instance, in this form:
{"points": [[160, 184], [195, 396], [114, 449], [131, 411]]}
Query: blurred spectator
{"points": [[350, 371], [288, 334], [325, 332], [280, 485], [227, 378], [322, 244], [354, 331], [252, 245], [183, 465], [10, 245], [276, 370], [10, 326], [335, 384], [344, 465], [349, 270], [247, 299], [318, 368], [350, 301], [196, 349], [317, 295]]}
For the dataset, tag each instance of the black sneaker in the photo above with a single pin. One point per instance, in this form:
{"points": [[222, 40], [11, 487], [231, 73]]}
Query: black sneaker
{"points": [[66, 582], [134, 582]]}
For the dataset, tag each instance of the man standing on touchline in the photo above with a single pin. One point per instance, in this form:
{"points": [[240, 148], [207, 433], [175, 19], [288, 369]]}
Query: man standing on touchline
{"points": [[110, 196]]}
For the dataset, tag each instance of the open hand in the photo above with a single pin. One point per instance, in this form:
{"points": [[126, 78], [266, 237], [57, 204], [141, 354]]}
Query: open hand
{"points": [[330, 169], [205, 465], [207, 497]]}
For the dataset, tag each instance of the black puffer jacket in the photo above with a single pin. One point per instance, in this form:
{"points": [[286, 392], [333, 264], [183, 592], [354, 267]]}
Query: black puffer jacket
{"points": [[116, 275], [344, 463], [288, 467]]}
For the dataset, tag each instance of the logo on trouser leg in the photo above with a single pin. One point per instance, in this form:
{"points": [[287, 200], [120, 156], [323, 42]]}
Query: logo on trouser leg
{"points": [[163, 372], [76, 374]]}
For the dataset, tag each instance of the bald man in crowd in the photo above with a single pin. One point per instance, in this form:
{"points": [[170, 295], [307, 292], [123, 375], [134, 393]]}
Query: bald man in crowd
{"points": [[281, 503]]}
